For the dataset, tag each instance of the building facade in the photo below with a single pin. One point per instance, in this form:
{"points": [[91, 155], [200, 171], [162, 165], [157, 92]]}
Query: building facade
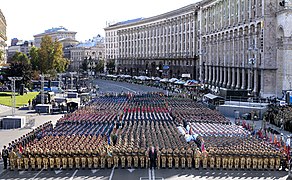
{"points": [[232, 44], [91, 51], [18, 46], [62, 34], [3, 38]]}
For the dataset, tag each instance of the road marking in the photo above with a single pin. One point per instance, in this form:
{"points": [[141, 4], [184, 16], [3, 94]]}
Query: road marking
{"points": [[112, 173], [153, 175], [124, 88], [21, 172], [149, 174], [58, 171], [71, 178], [94, 170], [38, 173], [131, 170]]}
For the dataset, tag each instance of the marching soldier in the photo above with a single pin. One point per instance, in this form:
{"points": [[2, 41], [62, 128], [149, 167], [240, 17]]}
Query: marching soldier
{"points": [[142, 157], [58, 159], [197, 158], [64, 159], [218, 161], [12, 159], [115, 156], [46, 160], [129, 156], [211, 158], [109, 158], [96, 158], [278, 162], [83, 159], [205, 159], [19, 161], [77, 158], [102, 158], [248, 162], [266, 162], [176, 157], [169, 157], [89, 158], [135, 157], [71, 159], [32, 160], [26, 159], [158, 158], [39, 158], [236, 161], [224, 160], [255, 162], [183, 157], [52, 159], [260, 162], [272, 162], [230, 161], [189, 155], [163, 157], [123, 158]]}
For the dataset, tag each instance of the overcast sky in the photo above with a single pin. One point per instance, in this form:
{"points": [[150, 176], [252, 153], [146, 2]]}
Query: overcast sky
{"points": [[26, 18]]}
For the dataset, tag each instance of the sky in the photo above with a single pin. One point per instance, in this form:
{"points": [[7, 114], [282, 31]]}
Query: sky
{"points": [[88, 18]]}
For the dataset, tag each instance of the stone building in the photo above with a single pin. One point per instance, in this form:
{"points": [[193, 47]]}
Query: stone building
{"points": [[92, 50], [3, 38], [232, 44], [66, 37]]}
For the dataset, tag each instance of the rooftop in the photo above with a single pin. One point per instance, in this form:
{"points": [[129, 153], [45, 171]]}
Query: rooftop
{"points": [[127, 22]]}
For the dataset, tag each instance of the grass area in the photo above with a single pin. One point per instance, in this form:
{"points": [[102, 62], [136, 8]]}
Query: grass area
{"points": [[5, 98]]}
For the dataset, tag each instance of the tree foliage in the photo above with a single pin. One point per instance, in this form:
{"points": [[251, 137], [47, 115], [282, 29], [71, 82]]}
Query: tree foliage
{"points": [[34, 58], [99, 66], [20, 66], [50, 56]]}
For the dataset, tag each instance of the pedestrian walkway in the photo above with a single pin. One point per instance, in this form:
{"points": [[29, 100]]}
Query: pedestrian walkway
{"points": [[4, 109]]}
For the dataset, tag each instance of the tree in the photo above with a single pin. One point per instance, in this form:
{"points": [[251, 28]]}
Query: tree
{"points": [[110, 66], [50, 56], [99, 67], [34, 58], [85, 65], [20, 66]]}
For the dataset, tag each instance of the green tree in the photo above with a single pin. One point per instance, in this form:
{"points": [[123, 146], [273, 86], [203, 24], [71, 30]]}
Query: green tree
{"points": [[20, 66], [99, 66], [34, 58], [50, 56], [110, 66]]}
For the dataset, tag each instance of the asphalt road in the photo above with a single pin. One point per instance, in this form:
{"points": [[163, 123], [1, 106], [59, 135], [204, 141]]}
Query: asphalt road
{"points": [[118, 173]]}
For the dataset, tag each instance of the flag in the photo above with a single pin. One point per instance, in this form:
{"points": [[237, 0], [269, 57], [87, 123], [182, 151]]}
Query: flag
{"points": [[203, 147]]}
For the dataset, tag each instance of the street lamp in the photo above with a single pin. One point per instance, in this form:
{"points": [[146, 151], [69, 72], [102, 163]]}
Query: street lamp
{"points": [[13, 79], [252, 61]]}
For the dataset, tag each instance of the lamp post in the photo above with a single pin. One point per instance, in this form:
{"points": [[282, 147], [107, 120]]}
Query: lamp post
{"points": [[252, 62], [13, 79]]}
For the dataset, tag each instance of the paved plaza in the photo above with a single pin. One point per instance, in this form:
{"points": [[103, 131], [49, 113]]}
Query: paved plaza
{"points": [[117, 172]]}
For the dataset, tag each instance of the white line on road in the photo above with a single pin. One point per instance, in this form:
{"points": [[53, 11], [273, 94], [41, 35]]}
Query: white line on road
{"points": [[112, 173], [71, 178], [149, 174], [38, 173], [153, 175], [124, 88]]}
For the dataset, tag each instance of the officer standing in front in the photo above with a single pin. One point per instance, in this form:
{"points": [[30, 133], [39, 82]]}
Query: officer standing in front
{"points": [[5, 156]]}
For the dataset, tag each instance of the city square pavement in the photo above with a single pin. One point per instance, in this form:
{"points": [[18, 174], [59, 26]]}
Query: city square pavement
{"points": [[118, 173]]}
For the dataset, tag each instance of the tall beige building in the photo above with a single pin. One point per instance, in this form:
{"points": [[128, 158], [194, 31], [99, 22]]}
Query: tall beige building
{"points": [[233, 44], [62, 34], [3, 38]]}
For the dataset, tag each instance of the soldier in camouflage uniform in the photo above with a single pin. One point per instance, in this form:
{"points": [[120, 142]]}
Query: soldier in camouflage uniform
{"points": [[12, 159], [39, 158], [45, 159], [211, 158], [176, 154], [77, 158], [197, 158], [129, 156], [103, 155], [122, 157], [142, 157], [96, 157], [58, 158], [64, 159], [26, 159], [189, 157], [71, 159], [116, 156], [158, 161], [183, 157], [32, 160], [52, 159], [163, 157], [169, 157]]}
